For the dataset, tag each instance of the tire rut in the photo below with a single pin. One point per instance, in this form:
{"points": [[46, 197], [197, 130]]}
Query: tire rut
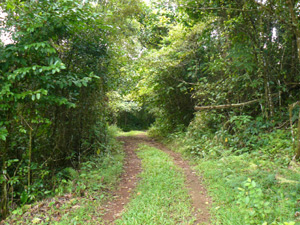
{"points": [[201, 202], [129, 179]]}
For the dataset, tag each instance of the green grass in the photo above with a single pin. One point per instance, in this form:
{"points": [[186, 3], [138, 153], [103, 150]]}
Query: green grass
{"points": [[131, 133], [264, 199], [161, 196], [96, 180], [251, 188], [117, 132]]}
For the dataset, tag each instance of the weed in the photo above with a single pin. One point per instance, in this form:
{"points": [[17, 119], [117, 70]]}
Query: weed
{"points": [[252, 200]]}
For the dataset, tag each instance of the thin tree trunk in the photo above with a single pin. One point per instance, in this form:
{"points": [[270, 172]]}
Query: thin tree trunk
{"points": [[298, 139], [266, 96], [4, 188], [270, 100], [291, 124], [29, 157], [4, 196]]}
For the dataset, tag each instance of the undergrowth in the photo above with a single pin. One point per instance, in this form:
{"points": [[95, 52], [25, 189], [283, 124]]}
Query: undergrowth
{"points": [[258, 185], [78, 198]]}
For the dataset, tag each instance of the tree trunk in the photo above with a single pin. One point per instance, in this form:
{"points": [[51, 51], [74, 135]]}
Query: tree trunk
{"points": [[197, 108], [4, 186], [4, 196], [298, 139], [291, 107], [29, 157]]}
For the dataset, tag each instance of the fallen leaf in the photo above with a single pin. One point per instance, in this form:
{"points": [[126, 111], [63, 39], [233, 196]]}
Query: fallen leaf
{"points": [[76, 207], [36, 220]]}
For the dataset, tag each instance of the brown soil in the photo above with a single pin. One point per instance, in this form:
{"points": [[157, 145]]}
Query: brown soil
{"points": [[200, 200], [132, 167]]}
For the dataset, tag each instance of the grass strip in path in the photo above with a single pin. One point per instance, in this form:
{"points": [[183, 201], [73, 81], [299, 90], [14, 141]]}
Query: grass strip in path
{"points": [[201, 201], [161, 196]]}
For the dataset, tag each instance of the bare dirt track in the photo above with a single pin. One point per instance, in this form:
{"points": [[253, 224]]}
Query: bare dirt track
{"points": [[200, 200], [132, 167]]}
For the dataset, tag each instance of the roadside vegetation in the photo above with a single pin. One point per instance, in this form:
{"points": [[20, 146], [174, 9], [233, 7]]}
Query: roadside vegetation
{"points": [[55, 73], [257, 187], [81, 194]]}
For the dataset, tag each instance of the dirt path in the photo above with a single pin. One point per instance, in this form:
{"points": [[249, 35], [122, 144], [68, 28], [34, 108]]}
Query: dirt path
{"points": [[200, 200], [132, 167]]}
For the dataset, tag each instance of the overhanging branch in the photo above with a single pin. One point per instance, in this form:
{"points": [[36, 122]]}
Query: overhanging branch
{"points": [[218, 8], [198, 108]]}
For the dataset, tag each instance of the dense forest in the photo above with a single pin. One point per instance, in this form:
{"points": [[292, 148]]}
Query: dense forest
{"points": [[214, 77]]}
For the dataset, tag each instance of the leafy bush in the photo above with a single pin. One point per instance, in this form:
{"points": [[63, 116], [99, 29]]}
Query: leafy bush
{"points": [[254, 186], [252, 200], [53, 80]]}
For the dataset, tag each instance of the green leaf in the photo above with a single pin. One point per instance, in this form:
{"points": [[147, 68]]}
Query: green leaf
{"points": [[247, 200], [3, 133]]}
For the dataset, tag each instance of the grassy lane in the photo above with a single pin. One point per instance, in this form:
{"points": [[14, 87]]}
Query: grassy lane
{"points": [[161, 196]]}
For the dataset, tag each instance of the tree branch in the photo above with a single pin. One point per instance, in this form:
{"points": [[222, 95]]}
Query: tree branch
{"points": [[219, 8], [198, 108]]}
